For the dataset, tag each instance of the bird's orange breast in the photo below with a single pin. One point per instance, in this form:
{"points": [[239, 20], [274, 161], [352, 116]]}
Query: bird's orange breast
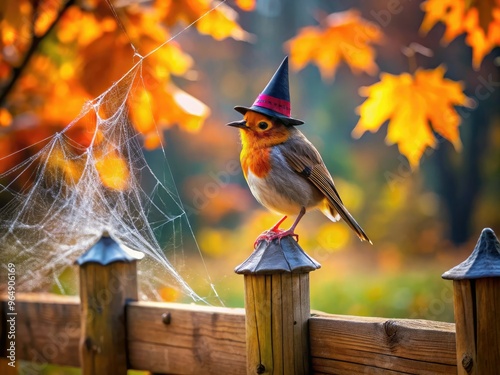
{"points": [[256, 160], [257, 144]]}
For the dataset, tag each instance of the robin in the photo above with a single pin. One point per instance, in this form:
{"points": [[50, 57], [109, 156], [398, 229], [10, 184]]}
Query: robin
{"points": [[283, 169]]}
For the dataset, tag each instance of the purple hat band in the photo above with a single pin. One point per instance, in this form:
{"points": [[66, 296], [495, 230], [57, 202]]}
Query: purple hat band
{"points": [[277, 105]]}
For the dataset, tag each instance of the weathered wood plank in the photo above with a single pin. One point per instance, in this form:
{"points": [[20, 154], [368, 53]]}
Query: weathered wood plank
{"points": [[198, 339], [47, 329], [251, 318], [306, 315], [488, 325], [285, 304], [104, 292], [278, 310], [476, 299], [465, 317], [405, 346], [209, 340], [259, 331], [323, 366]]}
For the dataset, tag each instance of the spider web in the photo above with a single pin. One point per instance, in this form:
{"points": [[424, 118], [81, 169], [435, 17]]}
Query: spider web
{"points": [[66, 203]]}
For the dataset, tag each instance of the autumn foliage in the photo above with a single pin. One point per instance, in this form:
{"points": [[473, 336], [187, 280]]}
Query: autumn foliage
{"points": [[416, 104], [479, 20], [58, 54], [344, 36]]}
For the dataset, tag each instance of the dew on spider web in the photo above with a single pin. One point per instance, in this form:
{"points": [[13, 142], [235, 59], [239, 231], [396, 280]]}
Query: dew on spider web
{"points": [[72, 193]]}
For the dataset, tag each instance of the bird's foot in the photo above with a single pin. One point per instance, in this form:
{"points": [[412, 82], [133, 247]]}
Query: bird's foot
{"points": [[275, 233]]}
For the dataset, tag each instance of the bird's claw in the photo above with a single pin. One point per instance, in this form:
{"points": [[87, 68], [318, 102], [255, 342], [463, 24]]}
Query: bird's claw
{"points": [[272, 234]]}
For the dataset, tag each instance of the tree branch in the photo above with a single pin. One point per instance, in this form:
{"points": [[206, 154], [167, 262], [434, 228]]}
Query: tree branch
{"points": [[18, 71]]}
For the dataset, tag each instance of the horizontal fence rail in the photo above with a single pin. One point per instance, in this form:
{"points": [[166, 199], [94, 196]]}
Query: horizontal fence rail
{"points": [[174, 338], [364, 345]]}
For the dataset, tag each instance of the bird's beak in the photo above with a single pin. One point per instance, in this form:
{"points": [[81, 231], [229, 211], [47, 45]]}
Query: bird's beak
{"points": [[242, 124]]}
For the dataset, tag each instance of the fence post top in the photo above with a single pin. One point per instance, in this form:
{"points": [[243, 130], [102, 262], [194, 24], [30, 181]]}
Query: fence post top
{"points": [[107, 251], [278, 256], [483, 262]]}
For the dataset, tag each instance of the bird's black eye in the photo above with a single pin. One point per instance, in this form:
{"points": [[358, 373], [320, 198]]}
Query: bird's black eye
{"points": [[263, 125]]}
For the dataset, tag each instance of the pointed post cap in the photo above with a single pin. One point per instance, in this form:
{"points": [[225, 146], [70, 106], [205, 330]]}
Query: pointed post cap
{"points": [[107, 251], [483, 262], [277, 256]]}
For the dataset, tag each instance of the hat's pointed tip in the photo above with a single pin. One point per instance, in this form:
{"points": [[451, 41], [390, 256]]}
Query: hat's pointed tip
{"points": [[274, 100], [284, 66]]}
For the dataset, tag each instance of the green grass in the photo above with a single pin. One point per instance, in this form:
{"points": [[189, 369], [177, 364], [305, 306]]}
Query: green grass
{"points": [[403, 295], [416, 294]]}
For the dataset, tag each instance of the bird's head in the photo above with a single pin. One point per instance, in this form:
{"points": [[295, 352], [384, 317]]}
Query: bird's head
{"points": [[259, 130]]}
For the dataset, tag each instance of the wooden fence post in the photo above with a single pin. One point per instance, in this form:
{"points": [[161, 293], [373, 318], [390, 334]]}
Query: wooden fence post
{"points": [[476, 295], [108, 280], [277, 308]]}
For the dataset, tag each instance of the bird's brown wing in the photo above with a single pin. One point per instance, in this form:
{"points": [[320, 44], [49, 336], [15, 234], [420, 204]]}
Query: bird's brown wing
{"points": [[304, 159]]}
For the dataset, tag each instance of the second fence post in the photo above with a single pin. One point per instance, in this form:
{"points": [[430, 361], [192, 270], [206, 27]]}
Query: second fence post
{"points": [[277, 308], [476, 299], [108, 280]]}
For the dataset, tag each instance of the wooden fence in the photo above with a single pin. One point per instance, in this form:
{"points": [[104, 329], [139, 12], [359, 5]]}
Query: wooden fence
{"points": [[106, 333]]}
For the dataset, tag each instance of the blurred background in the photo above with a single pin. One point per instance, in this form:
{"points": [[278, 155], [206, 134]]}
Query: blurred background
{"points": [[422, 222]]}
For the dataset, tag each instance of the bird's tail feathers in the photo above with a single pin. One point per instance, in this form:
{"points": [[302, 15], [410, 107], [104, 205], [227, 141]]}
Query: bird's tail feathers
{"points": [[335, 211], [329, 211]]}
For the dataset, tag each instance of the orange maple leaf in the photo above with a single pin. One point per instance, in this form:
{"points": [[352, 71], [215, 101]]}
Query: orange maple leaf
{"points": [[220, 23], [98, 62], [83, 27], [181, 11], [161, 106], [415, 105], [481, 41], [345, 36], [480, 20], [155, 100]]}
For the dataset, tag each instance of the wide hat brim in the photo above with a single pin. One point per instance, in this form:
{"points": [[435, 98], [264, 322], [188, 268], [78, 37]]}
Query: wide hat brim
{"points": [[289, 121]]}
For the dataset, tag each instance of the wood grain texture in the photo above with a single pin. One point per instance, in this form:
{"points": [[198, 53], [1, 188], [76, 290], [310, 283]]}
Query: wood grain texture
{"points": [[104, 292], [47, 329], [403, 346], [464, 310], [210, 340], [323, 366], [277, 308], [477, 303], [198, 340], [488, 325]]}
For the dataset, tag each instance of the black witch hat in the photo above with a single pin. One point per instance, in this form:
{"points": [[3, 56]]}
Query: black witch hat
{"points": [[274, 101]]}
